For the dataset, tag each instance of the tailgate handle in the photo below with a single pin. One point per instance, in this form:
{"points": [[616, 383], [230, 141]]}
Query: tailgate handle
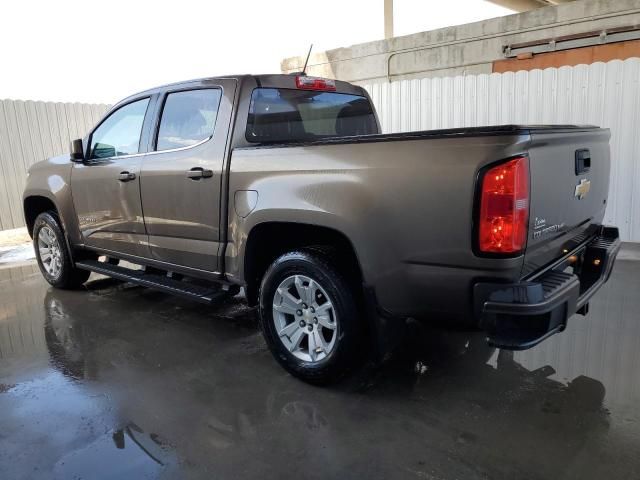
{"points": [[583, 161]]}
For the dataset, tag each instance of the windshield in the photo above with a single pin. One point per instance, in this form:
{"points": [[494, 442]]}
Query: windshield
{"points": [[285, 115]]}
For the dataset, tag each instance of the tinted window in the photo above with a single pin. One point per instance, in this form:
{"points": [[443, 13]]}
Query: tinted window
{"points": [[280, 115], [188, 118], [119, 134]]}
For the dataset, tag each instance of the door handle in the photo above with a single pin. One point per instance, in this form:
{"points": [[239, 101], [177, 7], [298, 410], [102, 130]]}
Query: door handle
{"points": [[126, 176], [196, 173]]}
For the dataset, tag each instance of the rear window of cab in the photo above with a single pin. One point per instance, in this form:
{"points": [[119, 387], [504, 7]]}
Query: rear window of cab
{"points": [[280, 115]]}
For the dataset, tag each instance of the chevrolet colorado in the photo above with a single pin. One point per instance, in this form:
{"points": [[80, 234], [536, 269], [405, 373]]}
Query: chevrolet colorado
{"points": [[284, 185]]}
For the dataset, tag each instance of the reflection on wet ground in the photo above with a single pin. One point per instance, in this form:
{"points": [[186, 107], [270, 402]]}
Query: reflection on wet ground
{"points": [[122, 382]]}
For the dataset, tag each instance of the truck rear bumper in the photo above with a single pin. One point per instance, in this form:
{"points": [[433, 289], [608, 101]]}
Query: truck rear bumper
{"points": [[520, 315]]}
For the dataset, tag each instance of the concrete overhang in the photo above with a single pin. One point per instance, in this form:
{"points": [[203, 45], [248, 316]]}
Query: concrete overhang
{"points": [[526, 5]]}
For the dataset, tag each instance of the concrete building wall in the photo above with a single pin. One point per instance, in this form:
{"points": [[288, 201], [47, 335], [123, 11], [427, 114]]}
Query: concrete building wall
{"points": [[30, 132], [605, 94], [464, 49]]}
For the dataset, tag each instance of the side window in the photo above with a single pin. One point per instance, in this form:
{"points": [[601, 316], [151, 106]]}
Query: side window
{"points": [[188, 118], [120, 133]]}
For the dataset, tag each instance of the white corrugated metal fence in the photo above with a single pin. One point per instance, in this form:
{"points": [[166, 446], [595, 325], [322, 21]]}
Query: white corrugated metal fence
{"points": [[30, 132], [604, 94]]}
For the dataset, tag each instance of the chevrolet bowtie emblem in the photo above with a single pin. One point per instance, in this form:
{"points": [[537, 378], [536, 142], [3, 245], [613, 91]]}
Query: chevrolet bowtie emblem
{"points": [[582, 188]]}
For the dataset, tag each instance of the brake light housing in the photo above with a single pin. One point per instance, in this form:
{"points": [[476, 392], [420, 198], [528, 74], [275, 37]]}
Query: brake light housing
{"points": [[503, 219], [315, 83]]}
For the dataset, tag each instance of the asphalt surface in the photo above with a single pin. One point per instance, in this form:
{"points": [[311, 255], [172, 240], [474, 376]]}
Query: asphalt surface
{"points": [[122, 382]]}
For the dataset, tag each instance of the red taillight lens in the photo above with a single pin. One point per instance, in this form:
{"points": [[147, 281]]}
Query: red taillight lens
{"points": [[315, 83], [504, 207]]}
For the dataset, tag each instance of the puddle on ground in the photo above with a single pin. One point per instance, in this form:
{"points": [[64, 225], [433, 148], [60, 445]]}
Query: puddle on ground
{"points": [[127, 452]]}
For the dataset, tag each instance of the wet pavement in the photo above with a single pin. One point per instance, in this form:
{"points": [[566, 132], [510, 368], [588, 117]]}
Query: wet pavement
{"points": [[122, 382]]}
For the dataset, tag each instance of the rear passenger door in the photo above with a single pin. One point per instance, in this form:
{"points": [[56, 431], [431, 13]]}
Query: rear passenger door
{"points": [[181, 176]]}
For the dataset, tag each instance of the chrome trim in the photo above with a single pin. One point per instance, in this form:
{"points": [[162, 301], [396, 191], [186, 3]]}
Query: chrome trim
{"points": [[98, 160], [182, 148]]}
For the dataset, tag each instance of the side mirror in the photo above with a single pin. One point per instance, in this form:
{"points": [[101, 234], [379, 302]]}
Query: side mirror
{"points": [[77, 150]]}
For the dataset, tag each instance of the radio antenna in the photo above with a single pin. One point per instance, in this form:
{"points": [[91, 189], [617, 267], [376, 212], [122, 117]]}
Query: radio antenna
{"points": [[304, 69]]}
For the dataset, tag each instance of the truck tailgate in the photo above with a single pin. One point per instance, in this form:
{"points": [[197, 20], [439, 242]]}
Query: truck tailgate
{"points": [[569, 171]]}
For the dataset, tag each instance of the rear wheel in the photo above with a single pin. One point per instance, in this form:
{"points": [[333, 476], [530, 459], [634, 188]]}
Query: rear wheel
{"points": [[52, 254], [309, 316]]}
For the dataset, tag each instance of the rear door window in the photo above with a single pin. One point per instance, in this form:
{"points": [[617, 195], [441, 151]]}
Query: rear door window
{"points": [[188, 118], [283, 115]]}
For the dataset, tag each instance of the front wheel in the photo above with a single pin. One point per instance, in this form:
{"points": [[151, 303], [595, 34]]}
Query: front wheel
{"points": [[309, 316], [52, 254]]}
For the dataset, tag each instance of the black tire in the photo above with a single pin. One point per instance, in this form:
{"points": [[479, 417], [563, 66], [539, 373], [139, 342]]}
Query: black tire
{"points": [[344, 297], [68, 277]]}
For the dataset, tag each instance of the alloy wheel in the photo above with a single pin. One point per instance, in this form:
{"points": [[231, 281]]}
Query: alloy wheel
{"points": [[305, 318], [49, 251]]}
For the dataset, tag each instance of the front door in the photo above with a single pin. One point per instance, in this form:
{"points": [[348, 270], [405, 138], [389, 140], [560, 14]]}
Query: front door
{"points": [[106, 186], [181, 175]]}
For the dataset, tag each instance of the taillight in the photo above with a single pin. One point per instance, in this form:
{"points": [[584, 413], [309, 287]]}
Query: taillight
{"points": [[315, 83], [504, 207]]}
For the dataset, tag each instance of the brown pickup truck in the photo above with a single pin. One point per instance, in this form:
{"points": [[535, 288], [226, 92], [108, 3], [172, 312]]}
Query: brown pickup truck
{"points": [[284, 185]]}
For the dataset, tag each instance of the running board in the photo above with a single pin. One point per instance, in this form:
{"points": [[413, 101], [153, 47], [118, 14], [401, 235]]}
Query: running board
{"points": [[155, 281]]}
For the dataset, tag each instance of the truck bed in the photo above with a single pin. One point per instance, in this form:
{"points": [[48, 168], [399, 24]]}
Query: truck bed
{"points": [[413, 196]]}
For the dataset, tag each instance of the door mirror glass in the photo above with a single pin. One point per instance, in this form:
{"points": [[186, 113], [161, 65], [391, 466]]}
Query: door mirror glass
{"points": [[77, 150], [104, 150]]}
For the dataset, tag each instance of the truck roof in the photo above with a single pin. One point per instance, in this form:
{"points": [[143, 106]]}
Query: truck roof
{"points": [[278, 80]]}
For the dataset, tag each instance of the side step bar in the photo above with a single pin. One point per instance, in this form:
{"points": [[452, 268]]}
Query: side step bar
{"points": [[156, 281]]}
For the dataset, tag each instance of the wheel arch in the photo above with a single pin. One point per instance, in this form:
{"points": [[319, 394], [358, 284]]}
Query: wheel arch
{"points": [[33, 206], [266, 241]]}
